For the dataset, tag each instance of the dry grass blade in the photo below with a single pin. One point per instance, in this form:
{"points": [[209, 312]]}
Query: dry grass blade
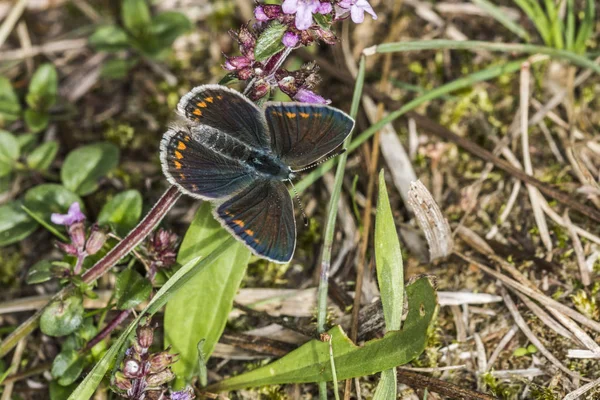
{"points": [[532, 338], [582, 390], [501, 345], [578, 248], [431, 221]]}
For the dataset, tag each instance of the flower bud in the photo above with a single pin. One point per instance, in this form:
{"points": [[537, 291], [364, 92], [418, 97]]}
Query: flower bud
{"points": [[259, 14], [121, 382], [245, 74], [95, 241], [67, 248], [287, 85], [162, 360], [247, 42], [325, 35], [132, 368], [259, 90], [145, 336], [236, 63], [77, 234], [155, 395], [290, 39], [160, 378], [272, 11]]}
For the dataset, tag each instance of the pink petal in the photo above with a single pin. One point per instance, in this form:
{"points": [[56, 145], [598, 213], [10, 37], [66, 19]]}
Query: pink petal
{"points": [[357, 14], [324, 8], [303, 17], [364, 4]]}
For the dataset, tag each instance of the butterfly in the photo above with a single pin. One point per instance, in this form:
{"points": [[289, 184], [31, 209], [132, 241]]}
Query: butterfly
{"points": [[239, 156]]}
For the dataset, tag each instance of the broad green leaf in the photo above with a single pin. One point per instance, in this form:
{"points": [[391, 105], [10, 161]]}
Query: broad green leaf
{"points": [[62, 317], [10, 107], [43, 88], [67, 367], [131, 289], [136, 16], [9, 152], [269, 42], [168, 26], [122, 212], [26, 141], [310, 362], [49, 198], [390, 276], [387, 386], [43, 155], [58, 392], [15, 224], [36, 120], [83, 167], [87, 388], [201, 308], [109, 38], [39, 272], [388, 259]]}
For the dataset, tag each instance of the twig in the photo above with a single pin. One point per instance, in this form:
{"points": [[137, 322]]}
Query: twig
{"points": [[450, 390], [53, 47], [501, 345], [11, 20], [579, 253], [575, 394], [16, 360]]}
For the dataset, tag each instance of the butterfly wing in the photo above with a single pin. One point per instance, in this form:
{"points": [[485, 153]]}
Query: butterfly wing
{"points": [[198, 170], [303, 133], [227, 110], [262, 217]]}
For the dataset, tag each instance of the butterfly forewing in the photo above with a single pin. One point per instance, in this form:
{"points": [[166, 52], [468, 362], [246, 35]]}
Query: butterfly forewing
{"points": [[228, 111], [262, 217], [198, 170], [303, 133]]}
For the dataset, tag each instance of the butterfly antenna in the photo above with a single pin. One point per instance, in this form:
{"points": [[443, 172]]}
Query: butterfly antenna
{"points": [[337, 153], [299, 203]]}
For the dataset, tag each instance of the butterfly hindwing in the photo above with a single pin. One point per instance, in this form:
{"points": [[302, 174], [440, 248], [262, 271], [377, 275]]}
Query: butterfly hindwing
{"points": [[227, 110], [196, 169], [262, 217], [303, 133]]}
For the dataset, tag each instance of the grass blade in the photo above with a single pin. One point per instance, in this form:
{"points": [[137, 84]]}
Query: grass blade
{"points": [[570, 32], [496, 12], [587, 27], [88, 386], [538, 17]]}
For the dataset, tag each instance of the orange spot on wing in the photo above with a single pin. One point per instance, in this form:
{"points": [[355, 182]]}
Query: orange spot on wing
{"points": [[304, 115], [197, 112], [177, 164], [201, 104], [182, 176], [249, 232], [209, 99], [290, 115], [238, 222], [187, 138], [178, 155], [220, 97], [318, 115], [181, 146]]}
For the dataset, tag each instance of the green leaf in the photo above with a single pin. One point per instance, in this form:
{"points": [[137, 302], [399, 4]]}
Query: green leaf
{"points": [[269, 42], [26, 142], [390, 276], [36, 120], [62, 317], [58, 392], [9, 152], [387, 386], [388, 258], [202, 359], [136, 16], [15, 224], [586, 28], [42, 156], [50, 198], [10, 107], [87, 388], [39, 272], [122, 212], [109, 38], [43, 88], [310, 362], [201, 308], [118, 68], [131, 289], [84, 166], [67, 367], [168, 26]]}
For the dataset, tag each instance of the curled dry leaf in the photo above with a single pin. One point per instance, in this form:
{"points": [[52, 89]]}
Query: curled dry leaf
{"points": [[430, 220]]}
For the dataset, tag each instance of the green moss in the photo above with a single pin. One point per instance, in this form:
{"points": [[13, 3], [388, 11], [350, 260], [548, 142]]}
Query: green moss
{"points": [[586, 304], [10, 262]]}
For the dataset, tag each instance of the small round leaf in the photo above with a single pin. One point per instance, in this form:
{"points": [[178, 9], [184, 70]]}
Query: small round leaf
{"points": [[122, 212], [131, 289], [15, 224], [62, 317], [42, 156], [50, 198], [84, 166], [9, 152], [67, 367]]}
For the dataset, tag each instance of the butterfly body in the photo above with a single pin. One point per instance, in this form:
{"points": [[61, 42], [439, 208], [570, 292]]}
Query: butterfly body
{"points": [[231, 152]]}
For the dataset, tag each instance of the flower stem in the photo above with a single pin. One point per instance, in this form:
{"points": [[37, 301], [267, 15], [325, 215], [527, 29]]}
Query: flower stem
{"points": [[112, 325], [150, 221]]}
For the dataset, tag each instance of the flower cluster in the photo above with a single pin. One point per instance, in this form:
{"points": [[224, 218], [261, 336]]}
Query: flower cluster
{"points": [[79, 247], [300, 23], [161, 248], [144, 375]]}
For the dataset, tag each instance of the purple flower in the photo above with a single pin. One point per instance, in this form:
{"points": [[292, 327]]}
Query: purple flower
{"points": [[290, 39], [72, 216], [185, 394], [308, 96], [357, 9], [304, 9], [259, 14]]}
